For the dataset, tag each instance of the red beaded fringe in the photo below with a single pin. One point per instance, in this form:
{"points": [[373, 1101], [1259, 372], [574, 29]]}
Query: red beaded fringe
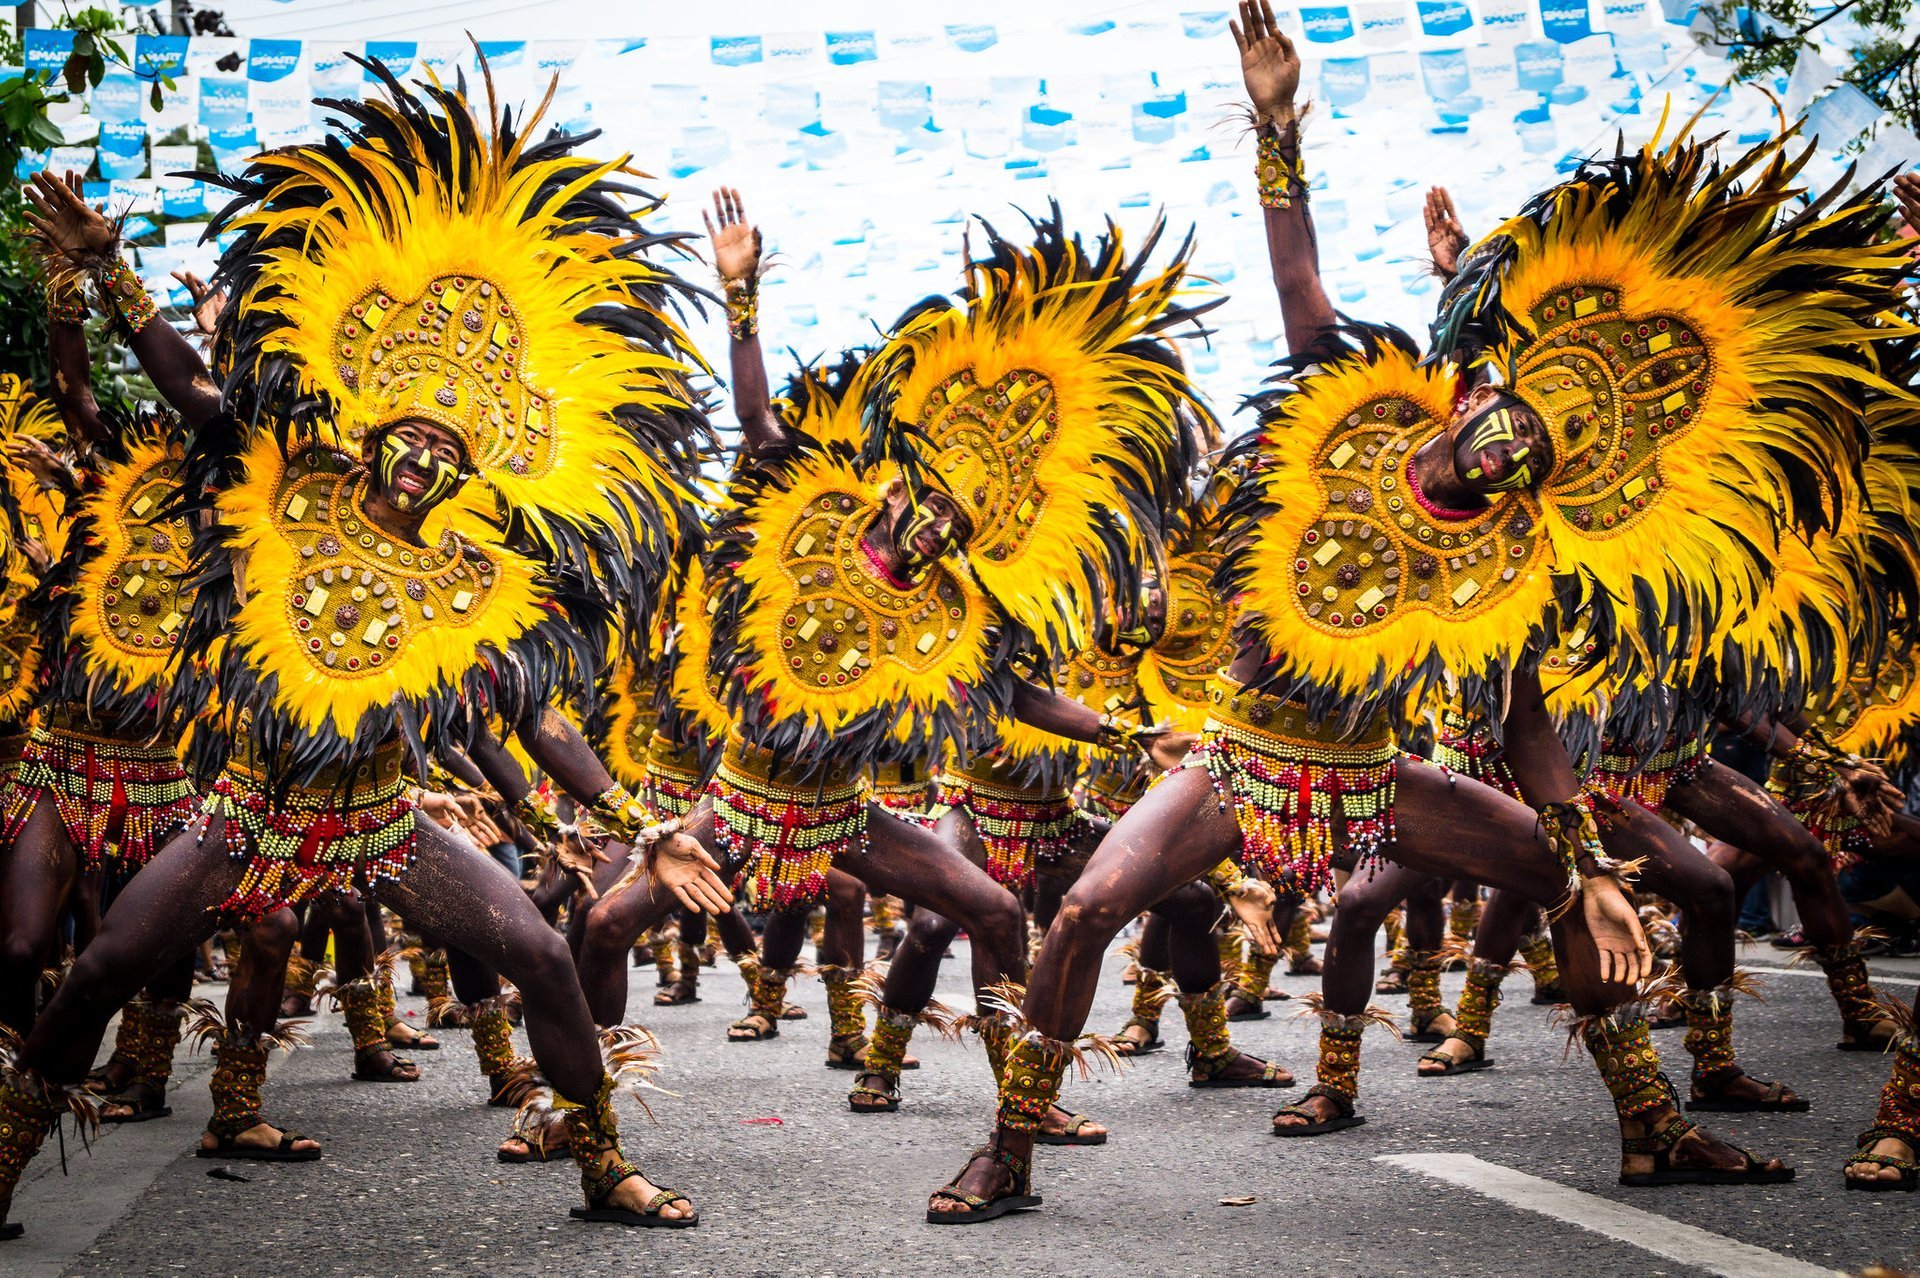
{"points": [[1284, 780], [1017, 825], [119, 800], [1676, 762], [787, 833], [311, 840]]}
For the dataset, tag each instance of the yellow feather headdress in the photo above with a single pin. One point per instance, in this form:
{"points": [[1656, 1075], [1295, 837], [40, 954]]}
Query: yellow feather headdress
{"points": [[433, 264], [1700, 352], [1050, 405]]}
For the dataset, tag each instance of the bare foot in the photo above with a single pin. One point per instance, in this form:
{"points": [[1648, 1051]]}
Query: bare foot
{"points": [[1458, 1049], [379, 1064], [1244, 1065], [1321, 1107], [1888, 1146], [1058, 1119], [984, 1177], [1136, 1034], [261, 1136], [1697, 1149], [546, 1128], [401, 1034], [635, 1192]]}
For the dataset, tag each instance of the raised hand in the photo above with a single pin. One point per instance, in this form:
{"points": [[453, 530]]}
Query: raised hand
{"points": [[34, 457], [67, 223], [208, 302], [736, 241], [1446, 238], [1268, 62], [1906, 196], [1252, 906]]}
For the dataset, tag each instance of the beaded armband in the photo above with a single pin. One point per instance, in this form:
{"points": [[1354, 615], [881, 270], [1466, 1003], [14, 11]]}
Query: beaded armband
{"points": [[1120, 735], [1282, 180], [1574, 836], [124, 292], [66, 301], [1226, 879], [743, 308], [619, 813], [537, 815]]}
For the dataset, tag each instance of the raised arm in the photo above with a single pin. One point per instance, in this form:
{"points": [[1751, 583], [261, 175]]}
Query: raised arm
{"points": [[72, 390], [1271, 69], [91, 244], [736, 255]]}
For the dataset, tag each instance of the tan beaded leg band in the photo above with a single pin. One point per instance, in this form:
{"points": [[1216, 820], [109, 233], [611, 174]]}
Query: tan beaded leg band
{"points": [[1623, 1052], [366, 1018], [1338, 1070], [1473, 1022], [845, 1020], [1537, 950], [1852, 989], [1709, 1031], [1423, 988], [239, 1073], [1030, 1080], [493, 1037], [767, 992], [1255, 975], [1206, 1016]]}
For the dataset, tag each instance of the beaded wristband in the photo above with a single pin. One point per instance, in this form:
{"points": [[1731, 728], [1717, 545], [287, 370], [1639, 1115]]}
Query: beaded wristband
{"points": [[66, 302], [1119, 734], [1281, 181], [1226, 879], [743, 309], [124, 292], [619, 813], [537, 815]]}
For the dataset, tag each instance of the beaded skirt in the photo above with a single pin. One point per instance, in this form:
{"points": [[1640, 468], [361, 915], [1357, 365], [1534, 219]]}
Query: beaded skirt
{"points": [[118, 800]]}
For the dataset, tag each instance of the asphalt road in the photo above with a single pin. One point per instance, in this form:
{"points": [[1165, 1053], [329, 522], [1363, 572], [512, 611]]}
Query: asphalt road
{"points": [[1506, 1171]]}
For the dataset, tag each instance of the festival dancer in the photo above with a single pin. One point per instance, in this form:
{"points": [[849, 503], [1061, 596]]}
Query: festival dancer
{"points": [[443, 301], [850, 634], [1464, 515]]}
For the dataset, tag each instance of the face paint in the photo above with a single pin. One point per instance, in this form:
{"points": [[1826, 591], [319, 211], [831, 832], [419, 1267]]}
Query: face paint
{"points": [[1495, 426], [442, 476], [913, 521]]}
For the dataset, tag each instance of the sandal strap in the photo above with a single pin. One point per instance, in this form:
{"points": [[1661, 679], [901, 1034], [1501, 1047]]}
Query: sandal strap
{"points": [[1021, 1169], [1671, 1133], [661, 1199], [954, 1194], [1884, 1160], [601, 1184]]}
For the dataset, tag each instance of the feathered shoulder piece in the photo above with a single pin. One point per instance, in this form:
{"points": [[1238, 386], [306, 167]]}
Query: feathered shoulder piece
{"points": [[1694, 346], [688, 695], [1200, 637], [30, 510], [126, 583], [1049, 404], [1357, 584], [430, 262], [630, 719], [814, 641]]}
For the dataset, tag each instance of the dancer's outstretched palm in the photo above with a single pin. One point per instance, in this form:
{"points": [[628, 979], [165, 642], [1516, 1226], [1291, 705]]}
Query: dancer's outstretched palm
{"points": [[736, 241]]}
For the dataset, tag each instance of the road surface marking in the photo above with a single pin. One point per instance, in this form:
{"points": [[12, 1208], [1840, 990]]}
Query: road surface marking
{"points": [[1644, 1229]]}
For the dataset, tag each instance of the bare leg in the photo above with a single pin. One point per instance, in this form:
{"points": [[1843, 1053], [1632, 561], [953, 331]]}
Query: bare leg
{"points": [[478, 907], [37, 878]]}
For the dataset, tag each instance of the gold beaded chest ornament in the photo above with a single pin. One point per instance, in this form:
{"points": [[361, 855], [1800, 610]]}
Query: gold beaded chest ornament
{"points": [[1176, 674], [133, 591], [1686, 354]]}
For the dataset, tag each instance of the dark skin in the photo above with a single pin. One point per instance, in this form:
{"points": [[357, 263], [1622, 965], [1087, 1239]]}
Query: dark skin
{"points": [[910, 531], [471, 901], [1177, 832]]}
